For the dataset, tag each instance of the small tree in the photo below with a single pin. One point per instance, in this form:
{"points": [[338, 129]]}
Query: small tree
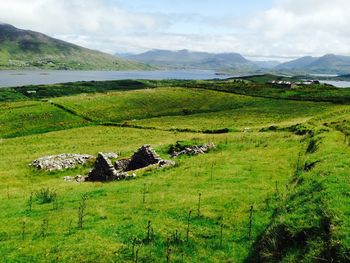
{"points": [[81, 211]]}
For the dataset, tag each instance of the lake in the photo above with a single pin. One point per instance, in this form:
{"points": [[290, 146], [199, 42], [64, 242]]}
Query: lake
{"points": [[338, 84], [15, 78]]}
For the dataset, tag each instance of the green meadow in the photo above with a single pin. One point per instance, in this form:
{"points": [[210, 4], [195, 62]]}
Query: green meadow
{"points": [[275, 189]]}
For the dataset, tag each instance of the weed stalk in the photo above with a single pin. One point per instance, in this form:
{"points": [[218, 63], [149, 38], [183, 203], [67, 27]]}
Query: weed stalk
{"points": [[188, 225]]}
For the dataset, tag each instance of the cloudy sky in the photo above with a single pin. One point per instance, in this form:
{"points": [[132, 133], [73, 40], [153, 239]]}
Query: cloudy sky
{"points": [[254, 28]]}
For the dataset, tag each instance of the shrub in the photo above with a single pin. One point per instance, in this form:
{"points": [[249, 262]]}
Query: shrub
{"points": [[45, 195]]}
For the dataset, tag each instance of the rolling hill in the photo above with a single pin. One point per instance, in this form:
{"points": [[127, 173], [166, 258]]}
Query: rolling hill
{"points": [[25, 49], [227, 205], [185, 59], [326, 64]]}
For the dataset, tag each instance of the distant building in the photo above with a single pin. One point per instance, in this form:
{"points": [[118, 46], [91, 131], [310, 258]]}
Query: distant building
{"points": [[291, 84]]}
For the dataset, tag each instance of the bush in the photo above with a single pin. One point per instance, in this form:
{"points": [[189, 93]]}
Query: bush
{"points": [[45, 195]]}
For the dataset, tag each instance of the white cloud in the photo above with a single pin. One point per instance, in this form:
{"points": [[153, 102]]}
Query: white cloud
{"points": [[300, 27], [77, 17], [289, 28]]}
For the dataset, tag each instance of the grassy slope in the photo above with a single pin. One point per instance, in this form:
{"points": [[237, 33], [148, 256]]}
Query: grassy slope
{"points": [[28, 117], [140, 104], [22, 49], [221, 110], [10, 95], [261, 89], [73, 88], [115, 210], [313, 223], [261, 113], [191, 109], [241, 169], [49, 55]]}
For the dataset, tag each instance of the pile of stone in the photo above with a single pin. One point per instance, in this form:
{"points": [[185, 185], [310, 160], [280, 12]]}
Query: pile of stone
{"points": [[61, 161], [111, 155], [144, 157], [78, 178], [104, 171], [194, 150]]}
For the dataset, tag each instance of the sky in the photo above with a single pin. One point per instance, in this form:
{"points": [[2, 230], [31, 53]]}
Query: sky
{"points": [[271, 29]]}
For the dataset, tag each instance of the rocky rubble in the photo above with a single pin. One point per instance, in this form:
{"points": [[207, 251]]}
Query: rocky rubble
{"points": [[78, 178], [194, 150], [145, 156], [61, 161], [111, 155], [104, 171]]}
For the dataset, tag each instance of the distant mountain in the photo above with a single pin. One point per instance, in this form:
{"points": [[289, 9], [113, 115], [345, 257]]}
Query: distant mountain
{"points": [[327, 64], [297, 63], [185, 59], [25, 49], [267, 64]]}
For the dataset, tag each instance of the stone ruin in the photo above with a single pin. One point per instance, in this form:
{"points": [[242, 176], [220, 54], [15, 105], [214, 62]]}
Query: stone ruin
{"points": [[61, 161], [104, 171], [145, 156], [194, 150]]}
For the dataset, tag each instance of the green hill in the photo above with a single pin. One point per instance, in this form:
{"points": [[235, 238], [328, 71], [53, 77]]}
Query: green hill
{"points": [[25, 49], [276, 188]]}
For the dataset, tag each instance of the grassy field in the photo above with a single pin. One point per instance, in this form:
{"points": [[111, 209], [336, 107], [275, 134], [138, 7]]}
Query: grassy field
{"points": [[181, 108], [141, 104], [260, 114], [116, 213], [279, 194], [28, 117]]}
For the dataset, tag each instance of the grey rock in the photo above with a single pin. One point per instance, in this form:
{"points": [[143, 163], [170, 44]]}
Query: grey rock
{"points": [[194, 150], [143, 157], [78, 178], [104, 171], [61, 161], [68, 178], [166, 163], [131, 176], [111, 155], [121, 165]]}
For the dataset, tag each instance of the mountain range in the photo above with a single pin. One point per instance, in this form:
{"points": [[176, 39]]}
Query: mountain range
{"points": [[234, 62], [25, 49], [185, 59], [328, 64]]}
